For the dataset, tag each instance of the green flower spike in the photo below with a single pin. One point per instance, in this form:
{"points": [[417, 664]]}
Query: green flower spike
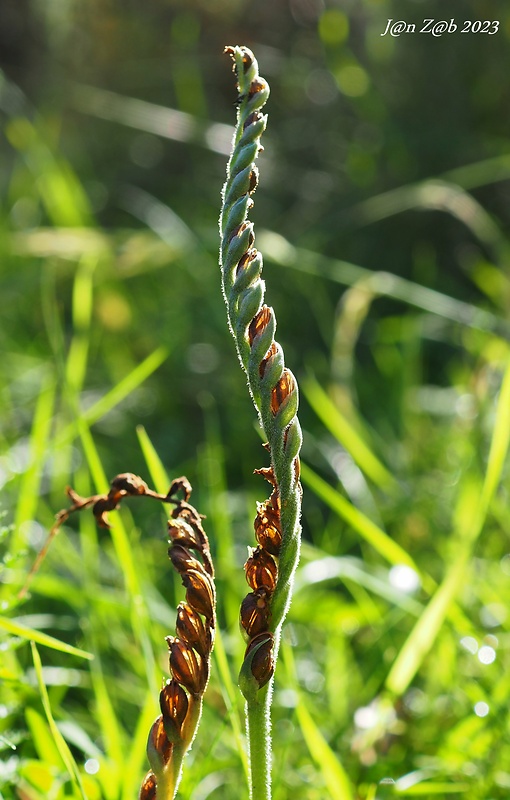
{"points": [[271, 567]]}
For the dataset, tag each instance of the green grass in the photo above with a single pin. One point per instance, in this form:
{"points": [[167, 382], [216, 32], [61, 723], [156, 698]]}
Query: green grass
{"points": [[116, 357]]}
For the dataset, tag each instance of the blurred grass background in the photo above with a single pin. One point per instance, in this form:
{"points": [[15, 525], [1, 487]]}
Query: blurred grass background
{"points": [[383, 217]]}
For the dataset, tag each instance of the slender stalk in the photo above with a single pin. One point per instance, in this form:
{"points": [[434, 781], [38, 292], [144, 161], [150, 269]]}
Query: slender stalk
{"points": [[258, 722], [271, 567]]}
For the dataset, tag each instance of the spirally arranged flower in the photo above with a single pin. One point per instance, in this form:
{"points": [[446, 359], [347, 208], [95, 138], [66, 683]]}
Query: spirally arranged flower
{"points": [[271, 565], [273, 387]]}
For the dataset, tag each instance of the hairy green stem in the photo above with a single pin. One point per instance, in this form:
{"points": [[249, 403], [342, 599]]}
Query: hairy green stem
{"points": [[258, 729]]}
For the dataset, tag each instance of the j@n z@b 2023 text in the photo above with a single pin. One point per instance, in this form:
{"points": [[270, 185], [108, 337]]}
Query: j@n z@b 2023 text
{"points": [[439, 27]]}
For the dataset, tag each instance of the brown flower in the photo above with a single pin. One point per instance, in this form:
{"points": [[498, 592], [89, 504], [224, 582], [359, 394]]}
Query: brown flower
{"points": [[191, 629], [127, 483], [159, 749], [187, 667], [261, 570], [268, 528], [259, 323], [182, 559], [273, 350], [199, 592], [283, 388], [148, 787], [255, 613], [173, 702], [182, 532]]}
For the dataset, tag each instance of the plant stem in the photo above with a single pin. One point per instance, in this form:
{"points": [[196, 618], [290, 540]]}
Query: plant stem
{"points": [[258, 729]]}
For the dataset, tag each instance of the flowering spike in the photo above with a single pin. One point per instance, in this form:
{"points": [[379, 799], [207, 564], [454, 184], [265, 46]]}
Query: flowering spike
{"points": [[270, 568]]}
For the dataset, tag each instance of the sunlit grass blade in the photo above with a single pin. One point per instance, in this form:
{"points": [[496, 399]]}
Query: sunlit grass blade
{"points": [[131, 253], [330, 568], [111, 732], [159, 217], [368, 530], [59, 740], [480, 173], [345, 433], [430, 788], [82, 314], [157, 470], [43, 742], [126, 386], [166, 122], [18, 629], [7, 742], [127, 561], [115, 396], [333, 773], [30, 482], [424, 633], [59, 188], [498, 449]]}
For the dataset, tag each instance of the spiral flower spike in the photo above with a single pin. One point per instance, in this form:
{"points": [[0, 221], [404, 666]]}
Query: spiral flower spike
{"points": [[270, 568]]}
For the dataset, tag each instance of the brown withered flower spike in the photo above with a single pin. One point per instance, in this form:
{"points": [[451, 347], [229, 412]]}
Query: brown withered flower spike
{"points": [[172, 733], [189, 651]]}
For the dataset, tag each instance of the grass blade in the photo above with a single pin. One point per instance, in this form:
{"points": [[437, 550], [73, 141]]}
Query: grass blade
{"points": [[30, 482], [279, 250], [368, 530], [126, 559], [424, 633], [111, 732], [59, 740], [434, 787], [157, 470], [23, 631], [115, 396], [346, 434], [136, 759]]}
